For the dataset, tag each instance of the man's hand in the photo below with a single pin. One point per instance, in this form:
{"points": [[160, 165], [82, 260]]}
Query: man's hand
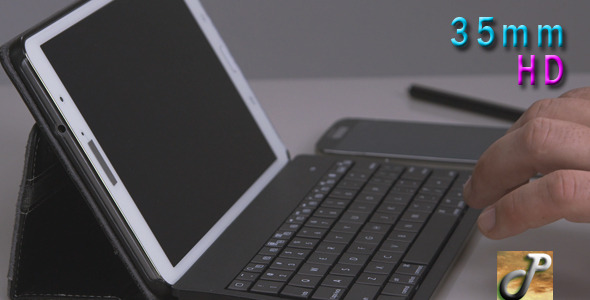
{"points": [[552, 138]]}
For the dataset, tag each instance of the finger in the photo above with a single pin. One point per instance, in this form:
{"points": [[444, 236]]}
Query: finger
{"points": [[561, 194], [582, 93], [575, 110], [540, 146]]}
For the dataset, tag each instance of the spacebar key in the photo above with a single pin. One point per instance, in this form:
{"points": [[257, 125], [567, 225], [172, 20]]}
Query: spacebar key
{"points": [[430, 239]]}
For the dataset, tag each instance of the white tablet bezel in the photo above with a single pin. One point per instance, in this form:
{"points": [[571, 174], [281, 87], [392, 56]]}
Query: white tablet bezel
{"points": [[83, 135]]}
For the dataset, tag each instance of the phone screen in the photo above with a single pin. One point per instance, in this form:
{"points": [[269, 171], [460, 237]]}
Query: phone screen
{"points": [[165, 112]]}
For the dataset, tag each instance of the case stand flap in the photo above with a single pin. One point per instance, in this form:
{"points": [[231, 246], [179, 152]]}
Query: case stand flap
{"points": [[59, 248]]}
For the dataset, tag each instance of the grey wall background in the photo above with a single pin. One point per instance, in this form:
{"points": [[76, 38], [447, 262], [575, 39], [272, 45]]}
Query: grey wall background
{"points": [[344, 38]]}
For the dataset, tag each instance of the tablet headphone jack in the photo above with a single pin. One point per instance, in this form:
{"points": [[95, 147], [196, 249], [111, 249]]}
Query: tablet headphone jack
{"points": [[61, 128]]}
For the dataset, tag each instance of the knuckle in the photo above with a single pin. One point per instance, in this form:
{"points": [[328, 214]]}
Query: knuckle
{"points": [[562, 188], [583, 92], [541, 108], [538, 136]]}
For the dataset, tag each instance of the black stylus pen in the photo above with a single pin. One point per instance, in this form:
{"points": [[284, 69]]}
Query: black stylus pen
{"points": [[487, 108]]}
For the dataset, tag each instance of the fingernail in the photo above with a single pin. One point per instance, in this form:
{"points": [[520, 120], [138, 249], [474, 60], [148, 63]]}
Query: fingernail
{"points": [[487, 219], [467, 189]]}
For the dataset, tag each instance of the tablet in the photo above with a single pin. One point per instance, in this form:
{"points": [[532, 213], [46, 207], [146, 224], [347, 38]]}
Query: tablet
{"points": [[142, 90]]}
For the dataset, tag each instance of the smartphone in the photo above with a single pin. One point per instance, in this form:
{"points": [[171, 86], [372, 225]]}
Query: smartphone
{"points": [[408, 140]]}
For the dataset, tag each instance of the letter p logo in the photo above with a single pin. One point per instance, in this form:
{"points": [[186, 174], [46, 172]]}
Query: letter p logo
{"points": [[534, 267]]}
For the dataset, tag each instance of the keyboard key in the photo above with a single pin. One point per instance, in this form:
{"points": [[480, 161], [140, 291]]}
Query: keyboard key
{"points": [[391, 208], [306, 281], [325, 212], [385, 218], [394, 246], [290, 227], [286, 264], [453, 202], [310, 232], [353, 259], [424, 206], [346, 270], [347, 194], [346, 227], [398, 198], [392, 168], [415, 216], [269, 251], [408, 226], [354, 217], [408, 183], [276, 275], [376, 188], [339, 237], [328, 293], [404, 236], [319, 222], [247, 276], [387, 257], [379, 268], [362, 292], [295, 253], [369, 197], [362, 207], [335, 203], [267, 287], [416, 173], [442, 183], [376, 227], [443, 210], [369, 237], [322, 258], [350, 184], [444, 174], [240, 285], [371, 279], [387, 174], [395, 289], [283, 234], [410, 269], [276, 243], [403, 190], [431, 239], [358, 175], [262, 259], [382, 180], [296, 292], [405, 279], [432, 191], [433, 199], [304, 243], [337, 281], [311, 203], [362, 248], [330, 248], [314, 269], [257, 268]]}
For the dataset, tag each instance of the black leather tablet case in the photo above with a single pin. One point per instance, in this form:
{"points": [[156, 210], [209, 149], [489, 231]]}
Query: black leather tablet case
{"points": [[59, 249], [63, 245]]}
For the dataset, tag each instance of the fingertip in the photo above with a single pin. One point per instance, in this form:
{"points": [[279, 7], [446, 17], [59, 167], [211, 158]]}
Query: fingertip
{"points": [[487, 221], [467, 191]]}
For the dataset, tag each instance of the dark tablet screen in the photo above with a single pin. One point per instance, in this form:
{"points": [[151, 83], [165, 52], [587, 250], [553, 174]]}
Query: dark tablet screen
{"points": [[165, 112]]}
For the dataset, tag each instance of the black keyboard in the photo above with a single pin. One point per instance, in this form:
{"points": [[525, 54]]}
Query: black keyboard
{"points": [[366, 231]]}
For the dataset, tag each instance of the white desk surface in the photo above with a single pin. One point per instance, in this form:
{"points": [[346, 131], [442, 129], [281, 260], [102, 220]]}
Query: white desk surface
{"points": [[301, 109]]}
